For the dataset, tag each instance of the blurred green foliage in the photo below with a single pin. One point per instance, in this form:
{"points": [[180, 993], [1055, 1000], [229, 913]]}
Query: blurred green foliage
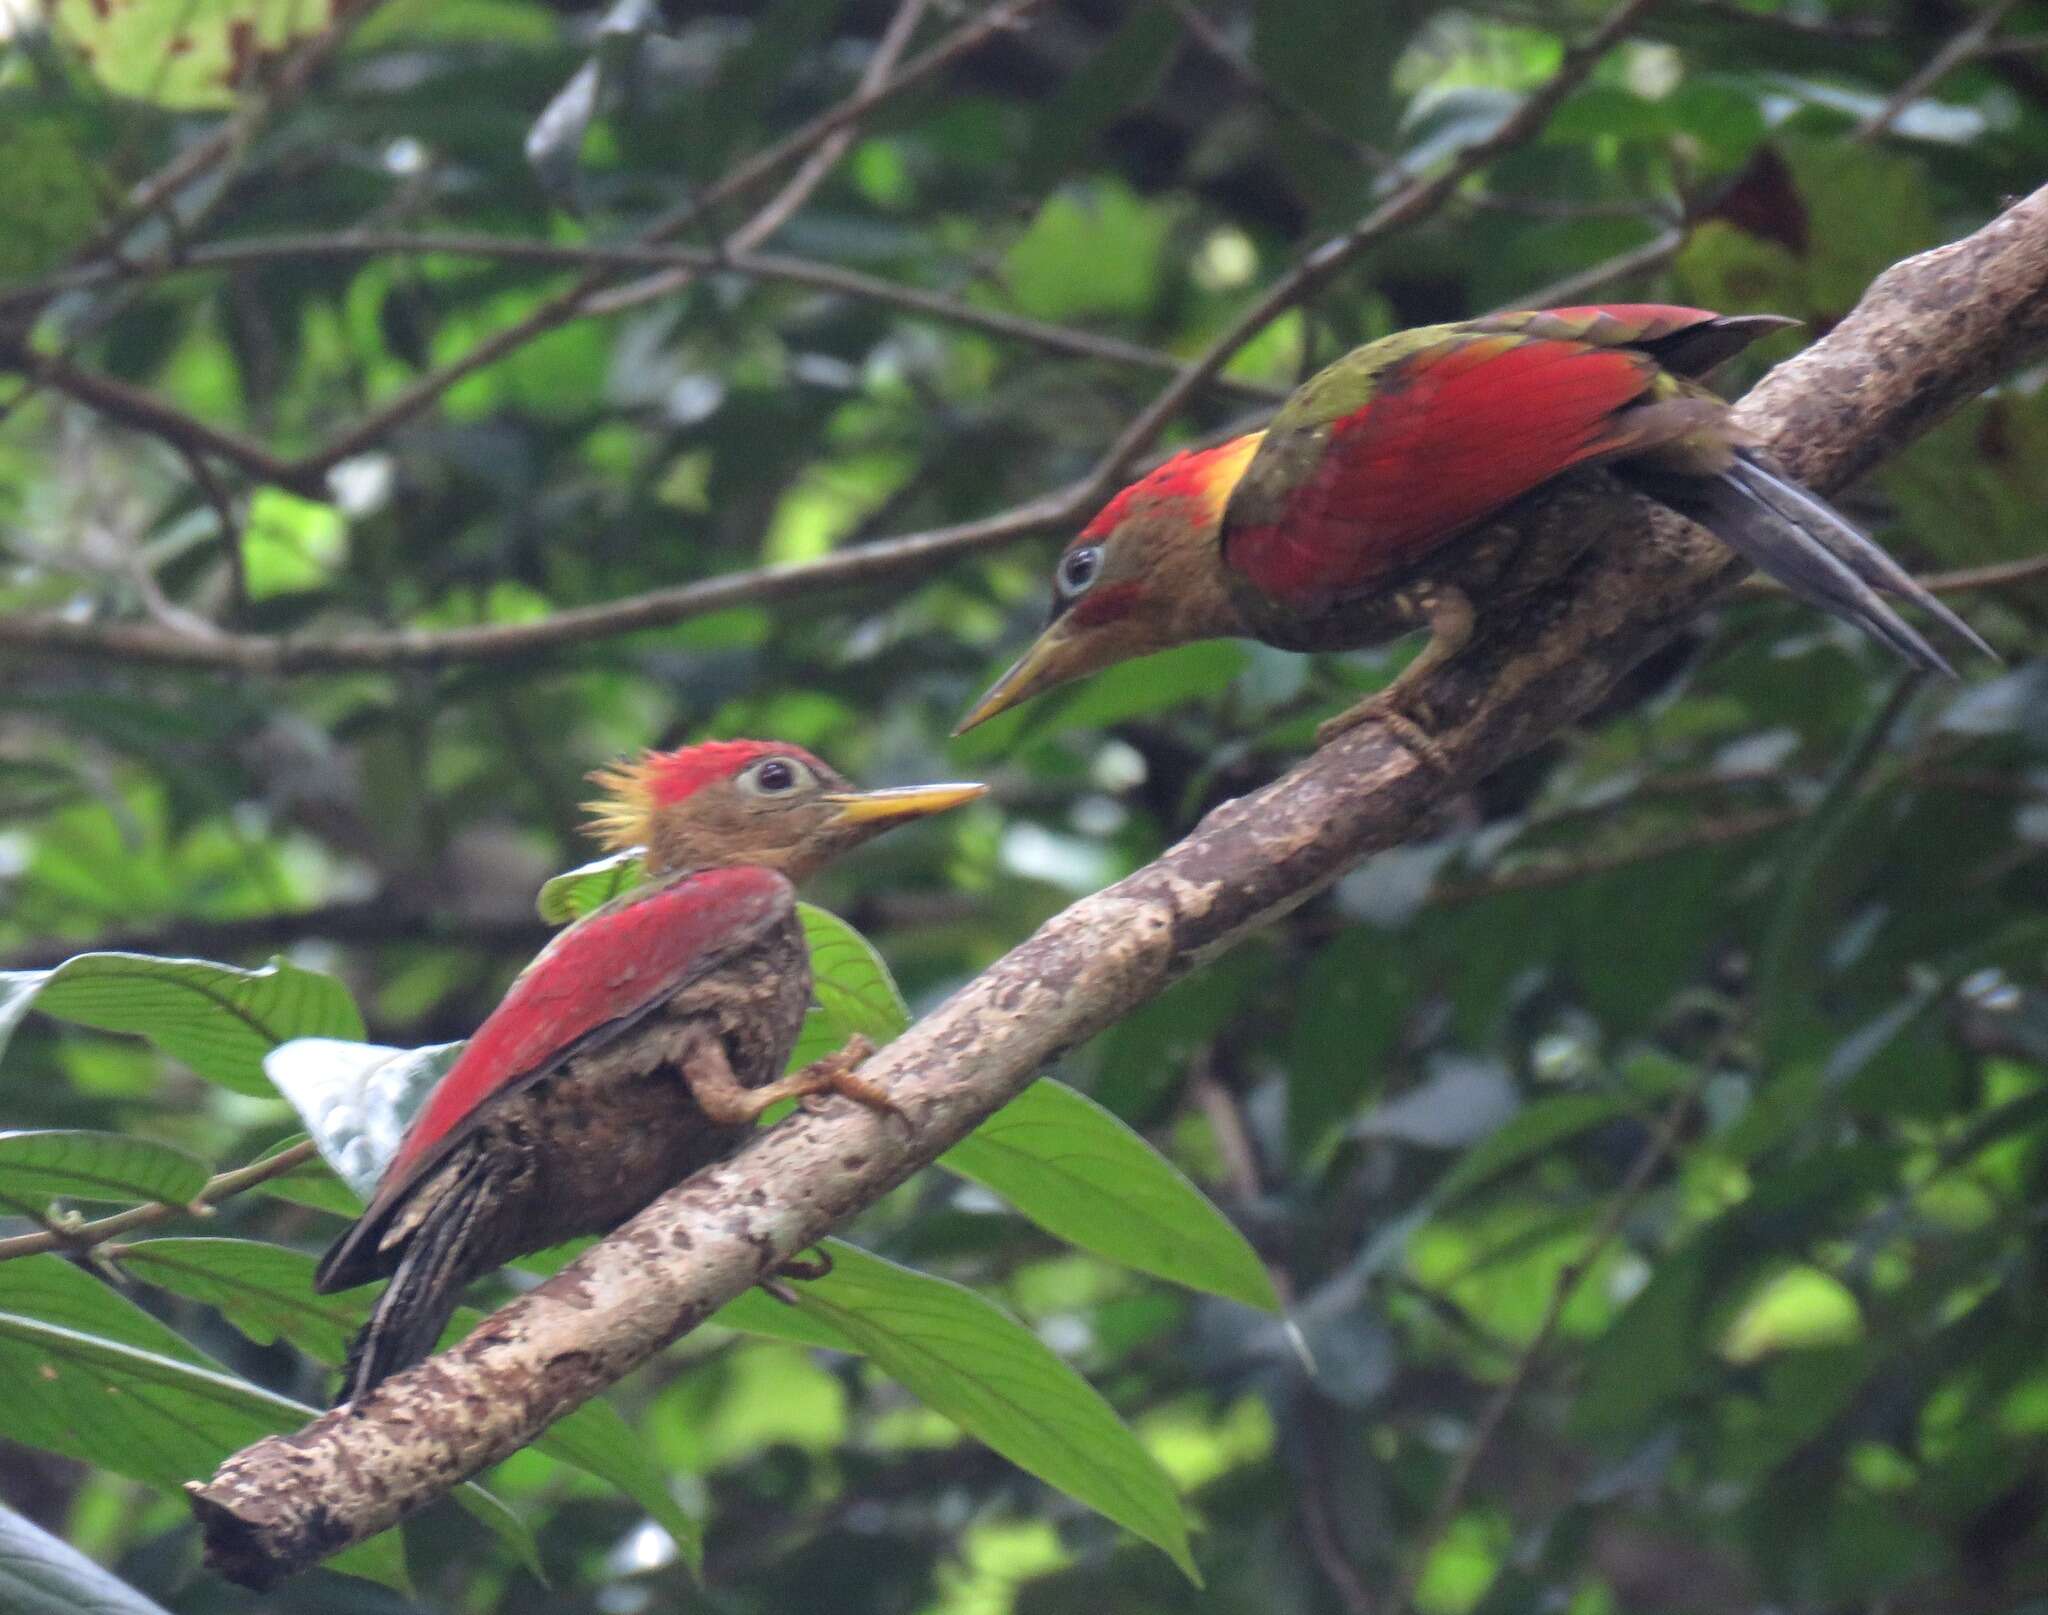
{"points": [[1703, 1051]]}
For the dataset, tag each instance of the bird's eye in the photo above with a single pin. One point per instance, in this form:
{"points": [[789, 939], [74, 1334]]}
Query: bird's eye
{"points": [[776, 776], [1078, 569]]}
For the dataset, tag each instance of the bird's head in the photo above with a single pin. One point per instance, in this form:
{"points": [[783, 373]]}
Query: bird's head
{"points": [[759, 802], [1144, 575]]}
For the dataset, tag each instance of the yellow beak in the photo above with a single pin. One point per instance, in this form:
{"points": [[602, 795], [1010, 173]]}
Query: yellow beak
{"points": [[880, 809], [1046, 663]]}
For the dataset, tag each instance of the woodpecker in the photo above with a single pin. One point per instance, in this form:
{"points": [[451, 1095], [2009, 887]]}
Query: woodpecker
{"points": [[641, 1044]]}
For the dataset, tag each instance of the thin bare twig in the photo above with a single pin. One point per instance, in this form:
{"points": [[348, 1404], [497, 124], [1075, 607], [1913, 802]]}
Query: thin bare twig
{"points": [[1962, 47], [145, 412], [221, 1186], [1964, 580], [1536, 876], [581, 255], [891, 560], [1659, 250], [1319, 1523]]}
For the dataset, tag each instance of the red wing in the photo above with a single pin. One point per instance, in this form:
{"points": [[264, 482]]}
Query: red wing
{"points": [[602, 970], [1455, 433]]}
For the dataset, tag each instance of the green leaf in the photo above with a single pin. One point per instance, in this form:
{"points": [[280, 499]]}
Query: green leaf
{"points": [[313, 1184], [40, 1575], [968, 1359], [48, 194], [598, 1441], [756, 1312], [1357, 993], [1081, 1174], [102, 1381], [52, 1289], [217, 1019], [184, 53], [266, 1291], [98, 1379], [1528, 1132], [496, 1516], [38, 1167], [357, 1099], [588, 887], [854, 991], [1096, 250]]}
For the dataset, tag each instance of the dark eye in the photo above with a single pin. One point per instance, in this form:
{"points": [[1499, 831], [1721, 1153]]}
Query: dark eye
{"points": [[1078, 569], [778, 776]]}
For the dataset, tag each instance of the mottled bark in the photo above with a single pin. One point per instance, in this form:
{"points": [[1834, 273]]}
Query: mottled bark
{"points": [[1931, 332]]}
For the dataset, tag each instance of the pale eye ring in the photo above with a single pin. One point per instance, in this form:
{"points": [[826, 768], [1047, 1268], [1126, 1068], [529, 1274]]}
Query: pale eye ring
{"points": [[1078, 568], [775, 776]]}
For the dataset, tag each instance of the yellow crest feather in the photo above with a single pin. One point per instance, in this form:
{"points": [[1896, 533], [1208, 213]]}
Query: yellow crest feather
{"points": [[624, 815]]}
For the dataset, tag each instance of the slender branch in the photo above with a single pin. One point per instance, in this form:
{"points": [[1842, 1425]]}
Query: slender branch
{"points": [[1319, 1516], [1626, 1197], [1658, 251], [660, 608], [1936, 329], [1964, 46], [1964, 580], [581, 255], [794, 146], [887, 561], [1565, 871], [2016, 45], [222, 1186], [157, 195], [144, 412]]}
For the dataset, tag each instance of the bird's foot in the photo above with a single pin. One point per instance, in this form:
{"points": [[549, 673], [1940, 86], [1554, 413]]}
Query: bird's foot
{"points": [[803, 1268], [1450, 618], [1384, 710], [838, 1074], [728, 1104]]}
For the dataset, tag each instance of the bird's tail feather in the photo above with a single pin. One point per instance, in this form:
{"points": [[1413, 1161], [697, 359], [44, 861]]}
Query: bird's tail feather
{"points": [[1819, 554], [426, 1286]]}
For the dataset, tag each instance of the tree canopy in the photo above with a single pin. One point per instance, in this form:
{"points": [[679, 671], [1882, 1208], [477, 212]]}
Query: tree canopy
{"points": [[1622, 1198]]}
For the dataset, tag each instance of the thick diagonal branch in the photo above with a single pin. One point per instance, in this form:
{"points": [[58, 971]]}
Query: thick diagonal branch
{"points": [[1931, 332]]}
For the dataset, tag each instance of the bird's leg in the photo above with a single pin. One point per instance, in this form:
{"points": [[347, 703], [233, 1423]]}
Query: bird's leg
{"points": [[725, 1101], [1449, 615]]}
